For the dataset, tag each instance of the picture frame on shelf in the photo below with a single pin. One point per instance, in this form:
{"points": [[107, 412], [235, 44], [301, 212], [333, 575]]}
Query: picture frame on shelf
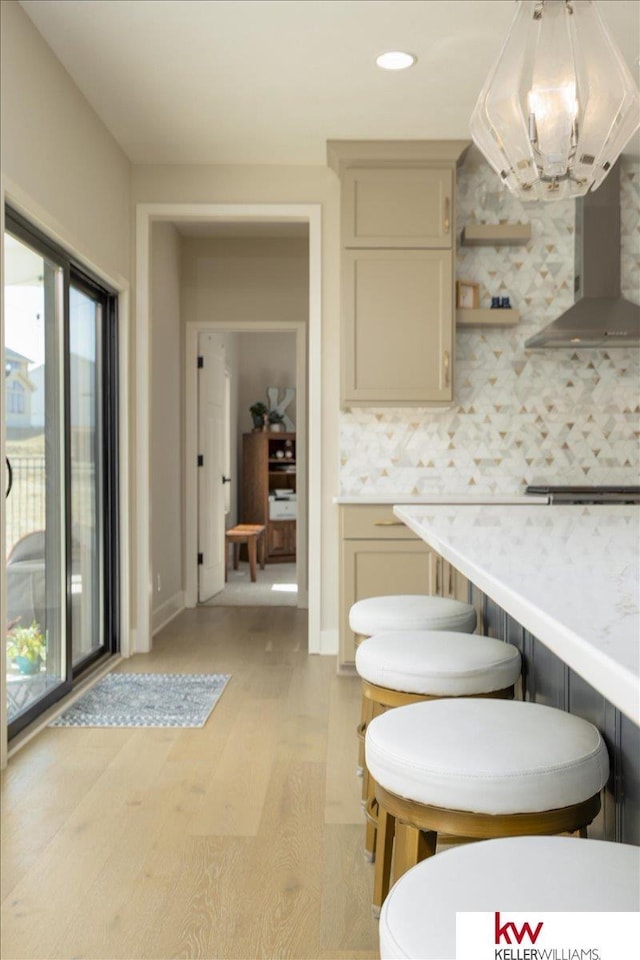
{"points": [[467, 295]]}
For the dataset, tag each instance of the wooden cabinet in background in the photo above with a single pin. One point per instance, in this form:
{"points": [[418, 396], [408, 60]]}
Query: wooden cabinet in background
{"points": [[269, 465]]}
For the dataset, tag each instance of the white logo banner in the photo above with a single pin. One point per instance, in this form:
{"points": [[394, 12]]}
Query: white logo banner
{"points": [[503, 935]]}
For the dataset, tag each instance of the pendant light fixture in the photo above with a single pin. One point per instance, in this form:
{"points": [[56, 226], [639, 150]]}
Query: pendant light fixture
{"points": [[560, 104]]}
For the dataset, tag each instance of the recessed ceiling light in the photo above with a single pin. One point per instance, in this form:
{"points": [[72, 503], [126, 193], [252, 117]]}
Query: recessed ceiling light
{"points": [[396, 60]]}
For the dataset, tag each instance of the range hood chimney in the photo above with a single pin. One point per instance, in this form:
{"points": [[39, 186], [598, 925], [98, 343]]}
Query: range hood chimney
{"points": [[600, 317]]}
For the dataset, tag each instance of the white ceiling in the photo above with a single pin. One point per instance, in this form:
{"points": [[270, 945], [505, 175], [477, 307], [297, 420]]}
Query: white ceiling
{"points": [[269, 81]]}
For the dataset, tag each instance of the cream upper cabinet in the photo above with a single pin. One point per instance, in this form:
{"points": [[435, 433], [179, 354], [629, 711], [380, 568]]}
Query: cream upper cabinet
{"points": [[397, 326], [397, 208], [397, 228]]}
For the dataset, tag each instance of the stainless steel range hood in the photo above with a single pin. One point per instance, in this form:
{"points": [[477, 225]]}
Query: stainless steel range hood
{"points": [[600, 317]]}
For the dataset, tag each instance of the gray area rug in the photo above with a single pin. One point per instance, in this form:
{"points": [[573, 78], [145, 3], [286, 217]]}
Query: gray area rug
{"points": [[146, 700]]}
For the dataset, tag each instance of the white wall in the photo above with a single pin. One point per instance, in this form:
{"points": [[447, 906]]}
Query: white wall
{"points": [[166, 447], [61, 167]]}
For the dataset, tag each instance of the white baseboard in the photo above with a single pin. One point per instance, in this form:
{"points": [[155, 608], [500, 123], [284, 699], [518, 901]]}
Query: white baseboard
{"points": [[166, 612], [328, 642]]}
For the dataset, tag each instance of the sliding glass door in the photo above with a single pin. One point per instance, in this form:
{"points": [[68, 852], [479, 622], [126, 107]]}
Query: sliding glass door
{"points": [[61, 530]]}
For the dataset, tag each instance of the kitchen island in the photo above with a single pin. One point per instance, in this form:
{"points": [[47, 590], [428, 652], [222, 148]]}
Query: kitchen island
{"points": [[562, 584]]}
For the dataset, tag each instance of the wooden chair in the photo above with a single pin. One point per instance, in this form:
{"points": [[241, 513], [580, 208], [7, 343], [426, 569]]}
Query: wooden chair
{"points": [[253, 535]]}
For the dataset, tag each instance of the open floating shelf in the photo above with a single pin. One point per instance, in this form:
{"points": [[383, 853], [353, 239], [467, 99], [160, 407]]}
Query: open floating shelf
{"points": [[495, 234], [486, 317]]}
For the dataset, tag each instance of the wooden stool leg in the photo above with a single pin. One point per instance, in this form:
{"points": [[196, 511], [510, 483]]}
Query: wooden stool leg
{"points": [[411, 847], [371, 813], [252, 558], [226, 560], [366, 715], [382, 872], [236, 549], [261, 550]]}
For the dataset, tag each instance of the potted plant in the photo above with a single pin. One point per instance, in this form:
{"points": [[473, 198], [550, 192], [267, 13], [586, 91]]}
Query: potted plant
{"points": [[26, 647], [257, 411], [276, 420]]}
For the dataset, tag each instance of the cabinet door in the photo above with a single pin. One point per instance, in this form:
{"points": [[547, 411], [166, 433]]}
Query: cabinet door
{"points": [[371, 568], [400, 207], [398, 327], [281, 539]]}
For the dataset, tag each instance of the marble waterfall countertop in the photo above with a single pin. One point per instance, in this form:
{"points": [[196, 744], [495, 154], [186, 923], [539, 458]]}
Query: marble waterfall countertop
{"points": [[568, 574], [450, 498]]}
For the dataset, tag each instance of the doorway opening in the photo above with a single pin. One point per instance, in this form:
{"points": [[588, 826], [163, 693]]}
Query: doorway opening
{"points": [[258, 476], [308, 339]]}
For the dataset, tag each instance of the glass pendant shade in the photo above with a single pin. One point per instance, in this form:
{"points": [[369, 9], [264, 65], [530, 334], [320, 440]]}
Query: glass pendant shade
{"points": [[559, 105]]}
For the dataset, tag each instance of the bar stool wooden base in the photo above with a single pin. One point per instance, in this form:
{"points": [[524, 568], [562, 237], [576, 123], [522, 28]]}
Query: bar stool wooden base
{"points": [[382, 699], [415, 828]]}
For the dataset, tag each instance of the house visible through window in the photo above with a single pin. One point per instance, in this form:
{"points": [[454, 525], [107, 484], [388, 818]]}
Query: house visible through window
{"points": [[15, 397]]}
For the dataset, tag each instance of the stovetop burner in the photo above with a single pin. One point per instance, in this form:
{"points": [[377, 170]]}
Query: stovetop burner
{"points": [[585, 494]]}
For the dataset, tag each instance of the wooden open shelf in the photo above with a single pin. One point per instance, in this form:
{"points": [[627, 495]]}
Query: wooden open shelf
{"points": [[495, 234], [485, 317]]}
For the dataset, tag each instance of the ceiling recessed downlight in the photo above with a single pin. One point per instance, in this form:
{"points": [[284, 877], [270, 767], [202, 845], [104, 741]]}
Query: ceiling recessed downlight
{"points": [[396, 60]]}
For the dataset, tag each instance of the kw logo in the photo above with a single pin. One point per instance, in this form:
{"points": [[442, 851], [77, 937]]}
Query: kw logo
{"points": [[510, 928]]}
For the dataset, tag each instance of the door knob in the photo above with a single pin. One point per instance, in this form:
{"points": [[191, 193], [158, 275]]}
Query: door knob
{"points": [[226, 479]]}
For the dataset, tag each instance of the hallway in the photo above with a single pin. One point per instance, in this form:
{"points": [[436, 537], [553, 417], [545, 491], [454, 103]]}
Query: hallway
{"points": [[239, 840]]}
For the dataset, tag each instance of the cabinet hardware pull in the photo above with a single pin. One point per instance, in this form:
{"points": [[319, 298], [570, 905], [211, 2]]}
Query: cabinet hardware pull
{"points": [[446, 367], [438, 577], [447, 220], [450, 580], [388, 523]]}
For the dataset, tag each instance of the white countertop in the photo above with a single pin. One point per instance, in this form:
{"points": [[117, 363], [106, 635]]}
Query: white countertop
{"points": [[450, 498], [568, 574]]}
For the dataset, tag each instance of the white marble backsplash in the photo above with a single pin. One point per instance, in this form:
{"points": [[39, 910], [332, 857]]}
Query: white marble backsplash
{"points": [[519, 417]]}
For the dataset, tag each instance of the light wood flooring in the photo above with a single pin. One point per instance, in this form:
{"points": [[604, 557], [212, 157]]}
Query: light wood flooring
{"points": [[240, 840]]}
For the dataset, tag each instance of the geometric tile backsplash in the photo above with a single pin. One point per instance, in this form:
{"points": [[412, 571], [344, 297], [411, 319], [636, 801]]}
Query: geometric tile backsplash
{"points": [[519, 416]]}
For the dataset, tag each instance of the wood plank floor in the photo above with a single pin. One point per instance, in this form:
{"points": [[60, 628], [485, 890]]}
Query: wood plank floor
{"points": [[241, 840]]}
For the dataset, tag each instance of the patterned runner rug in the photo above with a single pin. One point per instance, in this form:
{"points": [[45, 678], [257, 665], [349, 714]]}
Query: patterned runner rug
{"points": [[146, 700]]}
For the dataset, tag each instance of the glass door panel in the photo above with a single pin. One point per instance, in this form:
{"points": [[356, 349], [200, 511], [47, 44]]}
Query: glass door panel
{"points": [[86, 488], [61, 388], [35, 556]]}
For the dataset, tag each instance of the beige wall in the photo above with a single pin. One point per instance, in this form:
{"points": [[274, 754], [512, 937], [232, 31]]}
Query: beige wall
{"points": [[58, 159], [166, 448], [266, 360], [60, 165]]}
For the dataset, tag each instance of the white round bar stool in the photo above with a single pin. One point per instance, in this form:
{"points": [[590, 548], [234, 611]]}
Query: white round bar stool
{"points": [[399, 668], [516, 874], [404, 612], [479, 769], [410, 612]]}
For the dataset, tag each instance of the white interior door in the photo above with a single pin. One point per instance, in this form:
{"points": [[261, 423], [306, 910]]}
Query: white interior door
{"points": [[211, 460]]}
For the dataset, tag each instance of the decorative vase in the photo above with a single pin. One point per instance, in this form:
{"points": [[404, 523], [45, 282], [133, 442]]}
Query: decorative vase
{"points": [[26, 666]]}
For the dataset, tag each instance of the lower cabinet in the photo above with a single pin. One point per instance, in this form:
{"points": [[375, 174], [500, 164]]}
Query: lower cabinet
{"points": [[378, 555], [281, 539]]}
